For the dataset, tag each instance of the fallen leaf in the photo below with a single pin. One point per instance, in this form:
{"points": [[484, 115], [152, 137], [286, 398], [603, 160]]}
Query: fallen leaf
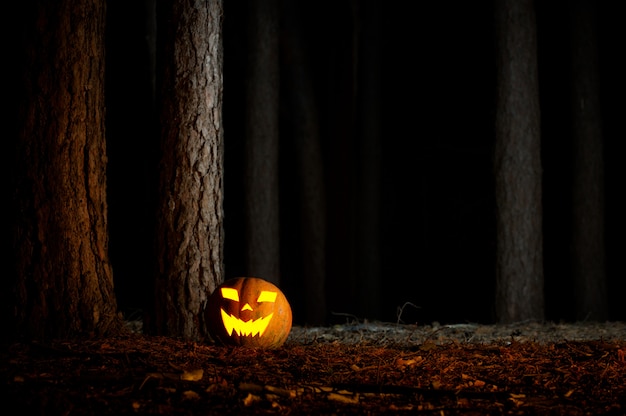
{"points": [[343, 399], [192, 375], [280, 391], [251, 387], [190, 395], [427, 346], [251, 399], [401, 362]]}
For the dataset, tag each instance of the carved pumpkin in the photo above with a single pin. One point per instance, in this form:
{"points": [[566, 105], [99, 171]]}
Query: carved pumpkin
{"points": [[249, 311]]}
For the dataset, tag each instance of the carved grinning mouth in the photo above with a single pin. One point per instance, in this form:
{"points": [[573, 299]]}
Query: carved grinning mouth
{"points": [[245, 328]]}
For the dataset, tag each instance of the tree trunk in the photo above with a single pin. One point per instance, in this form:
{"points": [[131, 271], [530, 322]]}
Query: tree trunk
{"points": [[588, 255], [190, 217], [368, 48], [517, 163], [308, 158], [340, 114], [261, 179], [63, 280]]}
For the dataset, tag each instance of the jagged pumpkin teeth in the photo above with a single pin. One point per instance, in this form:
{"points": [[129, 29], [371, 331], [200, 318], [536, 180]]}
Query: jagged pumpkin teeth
{"points": [[249, 311]]}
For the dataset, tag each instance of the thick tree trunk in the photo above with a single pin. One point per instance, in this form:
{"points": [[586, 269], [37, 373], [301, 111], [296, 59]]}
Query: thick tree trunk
{"points": [[588, 254], [63, 281], [517, 162], [262, 126], [190, 218]]}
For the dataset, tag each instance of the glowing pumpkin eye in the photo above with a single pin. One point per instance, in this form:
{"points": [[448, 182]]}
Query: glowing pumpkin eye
{"points": [[267, 296], [230, 293], [248, 311]]}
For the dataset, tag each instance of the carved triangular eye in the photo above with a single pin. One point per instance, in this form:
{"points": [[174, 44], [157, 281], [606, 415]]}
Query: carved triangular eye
{"points": [[267, 296], [230, 293]]}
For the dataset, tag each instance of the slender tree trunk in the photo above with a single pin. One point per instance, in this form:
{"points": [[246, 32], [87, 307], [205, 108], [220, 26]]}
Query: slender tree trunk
{"points": [[262, 199], [340, 111], [588, 255], [63, 279], [517, 160], [190, 217], [308, 157], [368, 92]]}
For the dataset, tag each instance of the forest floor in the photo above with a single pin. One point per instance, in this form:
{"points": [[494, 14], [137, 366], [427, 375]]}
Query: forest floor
{"points": [[360, 368]]}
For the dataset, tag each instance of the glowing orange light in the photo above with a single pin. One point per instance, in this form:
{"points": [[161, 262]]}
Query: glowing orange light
{"points": [[248, 311], [252, 327]]}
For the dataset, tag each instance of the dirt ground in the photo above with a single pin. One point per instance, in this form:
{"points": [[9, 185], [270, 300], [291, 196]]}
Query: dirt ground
{"points": [[360, 368]]}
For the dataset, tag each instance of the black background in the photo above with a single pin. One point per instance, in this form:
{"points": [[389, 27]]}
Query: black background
{"points": [[437, 203]]}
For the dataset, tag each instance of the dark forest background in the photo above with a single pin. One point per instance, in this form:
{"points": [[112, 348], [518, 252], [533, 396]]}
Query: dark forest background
{"points": [[432, 171]]}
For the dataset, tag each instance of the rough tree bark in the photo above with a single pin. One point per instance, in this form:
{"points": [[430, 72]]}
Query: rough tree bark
{"points": [[588, 249], [517, 163], [190, 217], [63, 283], [262, 142]]}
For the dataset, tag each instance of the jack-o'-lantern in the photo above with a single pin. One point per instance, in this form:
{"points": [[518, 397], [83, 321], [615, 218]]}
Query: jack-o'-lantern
{"points": [[249, 311]]}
